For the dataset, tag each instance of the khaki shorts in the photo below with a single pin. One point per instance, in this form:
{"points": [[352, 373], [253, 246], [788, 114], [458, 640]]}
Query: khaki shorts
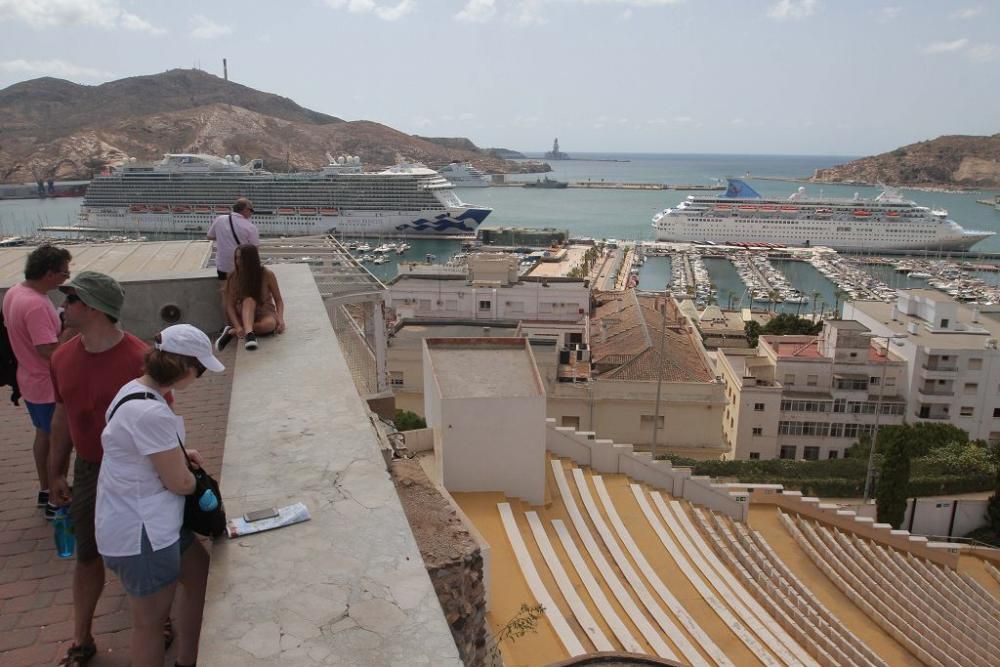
{"points": [[81, 510]]}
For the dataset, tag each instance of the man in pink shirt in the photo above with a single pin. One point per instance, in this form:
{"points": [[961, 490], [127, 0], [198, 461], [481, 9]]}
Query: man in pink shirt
{"points": [[34, 328]]}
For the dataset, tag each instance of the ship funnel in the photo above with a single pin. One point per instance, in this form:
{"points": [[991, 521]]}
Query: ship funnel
{"points": [[229, 158], [236, 159]]}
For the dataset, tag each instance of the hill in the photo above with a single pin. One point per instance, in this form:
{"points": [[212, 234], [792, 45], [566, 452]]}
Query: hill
{"points": [[946, 162], [52, 128]]}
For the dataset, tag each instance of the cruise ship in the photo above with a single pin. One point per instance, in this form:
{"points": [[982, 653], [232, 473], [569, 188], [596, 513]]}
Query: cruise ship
{"points": [[464, 175], [741, 215], [184, 192]]}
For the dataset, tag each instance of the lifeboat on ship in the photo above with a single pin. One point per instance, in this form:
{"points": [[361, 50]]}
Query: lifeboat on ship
{"points": [[137, 208], [788, 209], [202, 209], [861, 213], [156, 208], [222, 209], [722, 207], [307, 211], [893, 214], [748, 208], [329, 211], [285, 210], [180, 209], [823, 213], [768, 209]]}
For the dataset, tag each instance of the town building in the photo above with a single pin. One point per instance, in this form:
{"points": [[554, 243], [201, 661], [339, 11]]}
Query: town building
{"points": [[810, 397], [951, 350]]}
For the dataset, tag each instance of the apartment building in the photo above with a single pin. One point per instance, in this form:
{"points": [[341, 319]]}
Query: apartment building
{"points": [[953, 371], [810, 397]]}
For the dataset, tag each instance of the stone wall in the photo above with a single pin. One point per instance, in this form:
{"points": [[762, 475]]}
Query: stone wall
{"points": [[452, 556]]}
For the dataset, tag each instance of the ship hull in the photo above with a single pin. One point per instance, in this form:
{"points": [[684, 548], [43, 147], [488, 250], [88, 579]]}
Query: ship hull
{"points": [[461, 221], [861, 237]]}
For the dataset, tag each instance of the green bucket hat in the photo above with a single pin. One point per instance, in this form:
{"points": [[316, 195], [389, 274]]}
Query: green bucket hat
{"points": [[97, 290]]}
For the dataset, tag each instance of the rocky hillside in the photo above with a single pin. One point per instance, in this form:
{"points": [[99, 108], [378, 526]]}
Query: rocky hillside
{"points": [[946, 162], [50, 128]]}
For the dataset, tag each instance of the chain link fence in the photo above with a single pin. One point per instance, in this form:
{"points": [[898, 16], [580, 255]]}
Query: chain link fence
{"points": [[356, 325]]}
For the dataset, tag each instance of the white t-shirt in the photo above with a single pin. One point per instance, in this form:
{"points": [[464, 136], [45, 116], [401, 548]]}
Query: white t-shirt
{"points": [[225, 243], [130, 494]]}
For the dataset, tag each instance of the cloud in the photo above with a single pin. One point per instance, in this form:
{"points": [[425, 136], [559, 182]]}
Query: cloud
{"points": [[983, 53], [203, 27], [946, 47], [384, 12], [58, 68], [888, 14], [966, 13], [477, 11], [420, 121], [791, 9], [683, 120], [106, 14]]}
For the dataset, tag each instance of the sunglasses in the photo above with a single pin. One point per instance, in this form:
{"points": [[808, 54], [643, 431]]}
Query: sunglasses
{"points": [[73, 298]]}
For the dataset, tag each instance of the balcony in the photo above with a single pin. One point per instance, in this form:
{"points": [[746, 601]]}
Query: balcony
{"points": [[935, 395], [938, 371]]}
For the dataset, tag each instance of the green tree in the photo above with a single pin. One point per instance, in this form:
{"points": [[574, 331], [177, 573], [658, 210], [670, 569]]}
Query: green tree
{"points": [[752, 329], [894, 476], [525, 621], [408, 421]]}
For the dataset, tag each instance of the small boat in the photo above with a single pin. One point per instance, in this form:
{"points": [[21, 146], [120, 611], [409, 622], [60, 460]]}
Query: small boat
{"points": [[364, 247], [861, 213], [156, 208], [307, 211], [285, 210], [180, 209], [137, 208], [918, 274], [328, 211], [381, 259], [893, 214]]}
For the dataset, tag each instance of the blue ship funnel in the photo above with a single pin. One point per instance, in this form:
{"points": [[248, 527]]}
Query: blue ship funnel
{"points": [[738, 189]]}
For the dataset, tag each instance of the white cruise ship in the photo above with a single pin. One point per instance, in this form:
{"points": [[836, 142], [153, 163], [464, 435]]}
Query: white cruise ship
{"points": [[183, 193], [464, 175], [741, 215]]}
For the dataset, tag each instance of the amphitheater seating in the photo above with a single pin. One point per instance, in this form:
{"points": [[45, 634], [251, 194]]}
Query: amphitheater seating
{"points": [[782, 593], [994, 572], [936, 613]]}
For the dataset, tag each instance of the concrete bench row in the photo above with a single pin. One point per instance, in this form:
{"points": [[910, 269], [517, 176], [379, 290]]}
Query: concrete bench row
{"points": [[777, 588]]}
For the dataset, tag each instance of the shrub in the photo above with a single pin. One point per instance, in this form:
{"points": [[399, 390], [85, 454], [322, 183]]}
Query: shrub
{"points": [[408, 421]]}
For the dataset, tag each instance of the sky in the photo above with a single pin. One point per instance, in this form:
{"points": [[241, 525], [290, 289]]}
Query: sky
{"points": [[806, 77]]}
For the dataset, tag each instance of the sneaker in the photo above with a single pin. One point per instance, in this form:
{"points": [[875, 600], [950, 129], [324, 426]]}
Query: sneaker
{"points": [[43, 499], [222, 341], [50, 511], [250, 341]]}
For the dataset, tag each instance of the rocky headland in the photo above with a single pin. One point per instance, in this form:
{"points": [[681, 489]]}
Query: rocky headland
{"points": [[51, 128], [950, 162]]}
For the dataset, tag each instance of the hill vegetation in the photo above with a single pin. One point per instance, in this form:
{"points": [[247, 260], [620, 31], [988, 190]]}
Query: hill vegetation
{"points": [[952, 162], [51, 128]]}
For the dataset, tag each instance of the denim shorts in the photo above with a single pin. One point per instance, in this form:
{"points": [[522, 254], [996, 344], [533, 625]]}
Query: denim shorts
{"points": [[149, 571], [41, 415]]}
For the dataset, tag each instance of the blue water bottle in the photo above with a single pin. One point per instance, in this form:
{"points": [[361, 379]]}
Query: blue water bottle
{"points": [[208, 502], [65, 539]]}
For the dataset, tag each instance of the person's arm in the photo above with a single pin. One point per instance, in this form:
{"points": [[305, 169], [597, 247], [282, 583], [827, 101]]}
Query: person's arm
{"points": [[172, 468], [46, 350], [43, 331], [279, 303], [211, 231], [60, 446], [236, 318]]}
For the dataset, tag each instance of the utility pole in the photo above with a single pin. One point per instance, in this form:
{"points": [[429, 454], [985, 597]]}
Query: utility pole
{"points": [[659, 373], [225, 70], [870, 471]]}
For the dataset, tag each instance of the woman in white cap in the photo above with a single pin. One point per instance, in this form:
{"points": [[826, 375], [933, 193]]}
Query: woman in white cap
{"points": [[140, 497]]}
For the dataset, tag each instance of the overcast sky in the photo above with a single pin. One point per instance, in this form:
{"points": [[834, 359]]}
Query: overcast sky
{"points": [[841, 77]]}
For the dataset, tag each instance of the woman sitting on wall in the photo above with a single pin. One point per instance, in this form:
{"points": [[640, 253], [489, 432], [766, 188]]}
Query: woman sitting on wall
{"points": [[253, 301]]}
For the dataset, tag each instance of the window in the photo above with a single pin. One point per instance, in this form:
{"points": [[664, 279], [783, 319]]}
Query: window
{"points": [[790, 379], [646, 422], [787, 452], [812, 380], [810, 453], [485, 305], [396, 378], [836, 430], [890, 381], [758, 407], [975, 364], [971, 387], [944, 324], [754, 456], [573, 422], [873, 380], [966, 411], [758, 430], [832, 454], [840, 405], [996, 413]]}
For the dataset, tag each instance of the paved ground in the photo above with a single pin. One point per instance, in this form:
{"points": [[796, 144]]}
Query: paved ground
{"points": [[36, 613]]}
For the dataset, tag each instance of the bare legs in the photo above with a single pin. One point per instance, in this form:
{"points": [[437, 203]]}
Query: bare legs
{"points": [[40, 449], [149, 613], [262, 327], [88, 583], [191, 602]]}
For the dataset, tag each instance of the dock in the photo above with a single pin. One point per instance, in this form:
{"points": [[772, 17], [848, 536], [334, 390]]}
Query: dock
{"points": [[619, 185]]}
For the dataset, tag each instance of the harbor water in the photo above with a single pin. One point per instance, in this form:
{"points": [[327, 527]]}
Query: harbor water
{"points": [[619, 214]]}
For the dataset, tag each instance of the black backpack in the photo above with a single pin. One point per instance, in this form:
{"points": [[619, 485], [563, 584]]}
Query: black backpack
{"points": [[211, 523], [8, 364]]}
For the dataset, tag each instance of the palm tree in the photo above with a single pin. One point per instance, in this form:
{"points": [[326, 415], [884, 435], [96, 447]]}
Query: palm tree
{"points": [[774, 298], [840, 294]]}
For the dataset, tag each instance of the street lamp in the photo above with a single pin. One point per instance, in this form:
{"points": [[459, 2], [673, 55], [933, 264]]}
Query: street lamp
{"points": [[869, 472]]}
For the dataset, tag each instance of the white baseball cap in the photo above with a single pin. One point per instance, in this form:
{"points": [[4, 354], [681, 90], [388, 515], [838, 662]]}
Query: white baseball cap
{"points": [[191, 342]]}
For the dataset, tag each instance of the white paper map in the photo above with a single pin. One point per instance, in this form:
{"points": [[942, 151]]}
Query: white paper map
{"points": [[296, 513]]}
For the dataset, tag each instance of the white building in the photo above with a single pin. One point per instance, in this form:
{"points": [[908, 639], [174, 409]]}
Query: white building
{"points": [[954, 365], [810, 397]]}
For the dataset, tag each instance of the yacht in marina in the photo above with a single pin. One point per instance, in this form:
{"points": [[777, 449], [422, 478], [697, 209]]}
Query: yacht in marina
{"points": [[742, 215], [184, 192], [464, 175]]}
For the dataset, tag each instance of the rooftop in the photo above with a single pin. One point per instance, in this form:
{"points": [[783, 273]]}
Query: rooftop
{"points": [[410, 334], [975, 331], [483, 367]]}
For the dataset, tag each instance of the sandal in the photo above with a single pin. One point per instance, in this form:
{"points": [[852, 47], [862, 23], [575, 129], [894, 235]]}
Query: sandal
{"points": [[79, 655], [168, 634]]}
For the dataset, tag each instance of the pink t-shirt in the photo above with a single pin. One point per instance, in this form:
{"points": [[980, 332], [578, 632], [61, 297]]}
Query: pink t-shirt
{"points": [[31, 320]]}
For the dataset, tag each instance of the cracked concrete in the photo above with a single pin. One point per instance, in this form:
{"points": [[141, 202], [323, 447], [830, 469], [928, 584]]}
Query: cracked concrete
{"points": [[349, 586]]}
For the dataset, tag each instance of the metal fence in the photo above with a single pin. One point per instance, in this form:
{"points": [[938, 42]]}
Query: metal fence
{"points": [[357, 320]]}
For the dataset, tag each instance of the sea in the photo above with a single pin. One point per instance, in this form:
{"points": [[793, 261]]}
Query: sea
{"points": [[623, 214]]}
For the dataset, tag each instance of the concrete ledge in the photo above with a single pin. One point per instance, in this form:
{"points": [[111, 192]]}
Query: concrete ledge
{"points": [[348, 587]]}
